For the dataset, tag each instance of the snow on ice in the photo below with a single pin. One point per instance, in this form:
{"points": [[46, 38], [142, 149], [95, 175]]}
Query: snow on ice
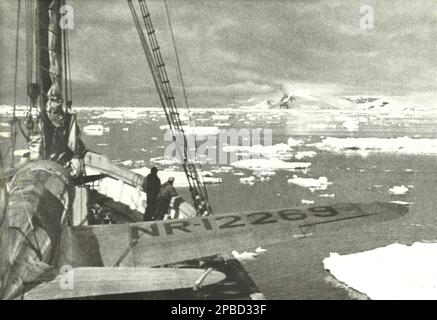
{"points": [[396, 271]]}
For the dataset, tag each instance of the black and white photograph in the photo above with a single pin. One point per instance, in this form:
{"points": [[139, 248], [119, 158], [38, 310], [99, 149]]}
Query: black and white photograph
{"points": [[226, 150]]}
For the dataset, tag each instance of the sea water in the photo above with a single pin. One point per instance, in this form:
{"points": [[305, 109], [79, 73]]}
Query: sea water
{"points": [[398, 155]]}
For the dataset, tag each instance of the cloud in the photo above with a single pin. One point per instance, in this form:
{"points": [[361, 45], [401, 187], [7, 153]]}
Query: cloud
{"points": [[232, 50], [248, 87]]}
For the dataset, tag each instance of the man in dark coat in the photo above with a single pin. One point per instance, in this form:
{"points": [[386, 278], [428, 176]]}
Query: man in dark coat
{"points": [[152, 185], [163, 199]]}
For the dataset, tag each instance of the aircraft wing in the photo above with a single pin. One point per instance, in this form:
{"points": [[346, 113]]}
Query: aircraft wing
{"points": [[148, 244], [91, 282]]}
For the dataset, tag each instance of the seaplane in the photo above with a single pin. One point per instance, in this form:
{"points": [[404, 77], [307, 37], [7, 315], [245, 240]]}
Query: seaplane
{"points": [[50, 249]]}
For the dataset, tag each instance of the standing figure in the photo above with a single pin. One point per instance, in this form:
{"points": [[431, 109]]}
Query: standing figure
{"points": [[163, 200], [151, 185]]}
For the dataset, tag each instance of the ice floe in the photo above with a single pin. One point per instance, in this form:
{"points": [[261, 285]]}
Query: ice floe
{"points": [[327, 195], [207, 174], [245, 256], [269, 165], [222, 169], [304, 201], [404, 145], [196, 130], [351, 124], [264, 173], [247, 180], [127, 163], [278, 151], [321, 183], [260, 250], [294, 142], [164, 161], [305, 154], [95, 130], [222, 124], [221, 117], [398, 190], [396, 271], [121, 114], [405, 203]]}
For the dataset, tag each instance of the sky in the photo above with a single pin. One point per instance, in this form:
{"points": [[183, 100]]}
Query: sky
{"points": [[233, 51]]}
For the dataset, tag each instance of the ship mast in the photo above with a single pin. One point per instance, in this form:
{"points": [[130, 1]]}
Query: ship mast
{"points": [[43, 72], [52, 74]]}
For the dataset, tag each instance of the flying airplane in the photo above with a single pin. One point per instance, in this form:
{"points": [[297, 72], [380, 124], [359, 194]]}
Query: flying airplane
{"points": [[37, 243]]}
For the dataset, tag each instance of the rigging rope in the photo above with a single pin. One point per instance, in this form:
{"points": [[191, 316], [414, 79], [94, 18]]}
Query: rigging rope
{"points": [[67, 70], [64, 45], [29, 41], [154, 58], [181, 79], [14, 107], [33, 89]]}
